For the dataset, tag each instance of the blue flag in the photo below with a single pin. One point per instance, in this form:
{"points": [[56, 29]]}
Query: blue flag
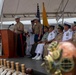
{"points": [[38, 12]]}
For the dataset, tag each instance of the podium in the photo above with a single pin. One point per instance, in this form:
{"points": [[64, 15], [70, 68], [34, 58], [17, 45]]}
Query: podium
{"points": [[8, 43]]}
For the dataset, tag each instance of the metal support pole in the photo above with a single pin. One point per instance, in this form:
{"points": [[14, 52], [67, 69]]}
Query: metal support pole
{"points": [[1, 17], [63, 14]]}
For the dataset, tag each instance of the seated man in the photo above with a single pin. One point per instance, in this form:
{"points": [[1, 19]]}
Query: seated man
{"points": [[67, 35], [74, 35], [39, 49], [50, 38], [44, 38], [59, 36]]}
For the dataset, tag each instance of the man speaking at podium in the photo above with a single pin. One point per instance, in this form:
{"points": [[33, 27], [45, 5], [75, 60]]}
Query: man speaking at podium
{"points": [[19, 29]]}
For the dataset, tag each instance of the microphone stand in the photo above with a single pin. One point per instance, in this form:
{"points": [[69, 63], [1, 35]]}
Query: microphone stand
{"points": [[10, 25]]}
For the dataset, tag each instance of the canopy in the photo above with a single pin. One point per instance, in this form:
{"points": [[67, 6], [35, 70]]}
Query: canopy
{"points": [[27, 8]]}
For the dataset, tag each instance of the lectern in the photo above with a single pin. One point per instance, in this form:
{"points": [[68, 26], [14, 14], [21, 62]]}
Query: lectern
{"points": [[8, 43]]}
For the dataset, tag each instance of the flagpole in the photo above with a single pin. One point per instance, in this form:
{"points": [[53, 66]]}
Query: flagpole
{"points": [[38, 12]]}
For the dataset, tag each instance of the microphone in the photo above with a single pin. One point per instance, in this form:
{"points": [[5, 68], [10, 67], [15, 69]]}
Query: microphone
{"points": [[10, 25]]}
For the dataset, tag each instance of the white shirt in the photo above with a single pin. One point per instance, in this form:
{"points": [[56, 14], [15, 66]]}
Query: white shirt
{"points": [[67, 35], [31, 36], [51, 36]]}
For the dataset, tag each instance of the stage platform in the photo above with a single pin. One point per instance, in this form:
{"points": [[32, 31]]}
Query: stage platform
{"points": [[30, 63]]}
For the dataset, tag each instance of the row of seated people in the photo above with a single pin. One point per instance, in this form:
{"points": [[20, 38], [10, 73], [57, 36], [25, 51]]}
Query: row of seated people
{"points": [[65, 33]]}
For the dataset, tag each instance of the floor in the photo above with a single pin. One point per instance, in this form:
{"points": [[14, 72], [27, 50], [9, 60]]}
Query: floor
{"points": [[30, 63]]}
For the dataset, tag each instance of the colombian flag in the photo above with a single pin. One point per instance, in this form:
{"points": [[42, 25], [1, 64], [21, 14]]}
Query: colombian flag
{"points": [[44, 16]]}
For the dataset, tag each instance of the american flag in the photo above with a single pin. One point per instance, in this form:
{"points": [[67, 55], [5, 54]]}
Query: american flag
{"points": [[38, 12]]}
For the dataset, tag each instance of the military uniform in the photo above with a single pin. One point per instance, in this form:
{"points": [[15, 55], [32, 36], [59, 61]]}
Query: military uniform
{"points": [[67, 35], [36, 29], [39, 48], [50, 37], [45, 51], [44, 38], [19, 29], [59, 37], [35, 50], [74, 38]]}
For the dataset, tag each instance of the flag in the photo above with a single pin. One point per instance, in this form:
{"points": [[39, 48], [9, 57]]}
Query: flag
{"points": [[44, 16], [38, 12]]}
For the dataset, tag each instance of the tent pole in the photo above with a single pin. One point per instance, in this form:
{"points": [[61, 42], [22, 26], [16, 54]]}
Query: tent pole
{"points": [[2, 14], [63, 12], [63, 19]]}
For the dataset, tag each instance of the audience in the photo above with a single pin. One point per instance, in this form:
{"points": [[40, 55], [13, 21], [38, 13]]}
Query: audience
{"points": [[64, 33]]}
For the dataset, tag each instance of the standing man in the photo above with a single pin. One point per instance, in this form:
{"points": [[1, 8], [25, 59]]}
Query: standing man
{"points": [[37, 27], [30, 39], [67, 35], [19, 29]]}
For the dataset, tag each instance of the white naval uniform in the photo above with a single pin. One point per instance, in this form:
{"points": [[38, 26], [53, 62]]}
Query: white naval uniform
{"points": [[67, 35], [31, 36], [30, 41], [39, 48]]}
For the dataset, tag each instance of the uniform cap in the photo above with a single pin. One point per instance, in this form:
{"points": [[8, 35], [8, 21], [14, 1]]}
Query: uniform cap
{"points": [[32, 20], [51, 26], [67, 24], [46, 27], [74, 23], [60, 27], [17, 17], [35, 18]]}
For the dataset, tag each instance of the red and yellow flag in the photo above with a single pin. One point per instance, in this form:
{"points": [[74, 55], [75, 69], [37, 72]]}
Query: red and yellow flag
{"points": [[44, 16]]}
